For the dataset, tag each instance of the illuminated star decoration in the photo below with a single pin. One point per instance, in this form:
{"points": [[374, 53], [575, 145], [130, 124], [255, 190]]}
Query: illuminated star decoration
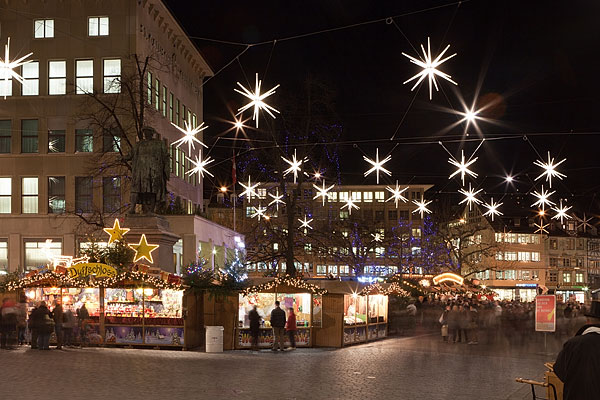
{"points": [[584, 222], [7, 67], [256, 100], [295, 165], [200, 165], [469, 115], [421, 206], [276, 199], [259, 212], [304, 223], [463, 167], [116, 232], [377, 165], [189, 135], [470, 197], [322, 191], [550, 169], [143, 250], [561, 212], [250, 190], [543, 199], [376, 237], [541, 228], [397, 194], [350, 205], [65, 261], [429, 66], [492, 209]]}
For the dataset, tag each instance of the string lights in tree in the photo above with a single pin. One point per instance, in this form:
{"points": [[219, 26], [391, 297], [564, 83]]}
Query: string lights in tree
{"points": [[429, 67], [470, 198], [322, 191], [295, 165], [421, 206], [543, 199], [492, 209], [550, 169], [200, 165], [561, 212], [256, 100], [377, 165], [189, 135], [397, 194]]}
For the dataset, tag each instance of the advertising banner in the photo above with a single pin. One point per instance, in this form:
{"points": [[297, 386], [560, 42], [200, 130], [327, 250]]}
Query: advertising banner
{"points": [[545, 313]]}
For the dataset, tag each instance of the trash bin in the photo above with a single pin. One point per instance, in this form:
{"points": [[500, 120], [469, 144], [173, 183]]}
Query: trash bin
{"points": [[214, 339]]}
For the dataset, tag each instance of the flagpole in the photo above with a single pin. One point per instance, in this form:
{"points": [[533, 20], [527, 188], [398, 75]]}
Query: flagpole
{"points": [[234, 179]]}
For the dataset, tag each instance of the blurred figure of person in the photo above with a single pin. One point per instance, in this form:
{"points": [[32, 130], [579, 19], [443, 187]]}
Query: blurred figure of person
{"points": [[290, 327], [444, 322], [473, 325], [254, 318], [43, 324], [411, 315], [33, 325], [68, 327], [21, 320], [578, 363], [8, 323], [453, 324], [82, 317], [57, 316], [463, 323], [278, 325]]}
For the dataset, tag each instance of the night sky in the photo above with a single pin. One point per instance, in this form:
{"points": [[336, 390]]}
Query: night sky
{"points": [[536, 61]]}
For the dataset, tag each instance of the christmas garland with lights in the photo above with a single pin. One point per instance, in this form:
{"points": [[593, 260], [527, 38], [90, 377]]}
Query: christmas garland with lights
{"points": [[286, 280], [393, 289]]}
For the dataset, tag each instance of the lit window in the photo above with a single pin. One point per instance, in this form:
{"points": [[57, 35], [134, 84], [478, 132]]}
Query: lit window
{"points": [[5, 136], [177, 116], [36, 253], [566, 277], [579, 277], [29, 136], [5, 195], [43, 28], [98, 26], [112, 76], [57, 77], [83, 194], [321, 269], [380, 197], [356, 196], [29, 190], [343, 196], [56, 141], [164, 101], [171, 114], [368, 197], [84, 141], [157, 94], [3, 256], [5, 82], [56, 194], [249, 211], [111, 141], [535, 256], [84, 81], [31, 79], [149, 87]]}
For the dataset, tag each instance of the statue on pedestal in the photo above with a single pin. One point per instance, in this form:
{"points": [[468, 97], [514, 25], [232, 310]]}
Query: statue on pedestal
{"points": [[150, 170]]}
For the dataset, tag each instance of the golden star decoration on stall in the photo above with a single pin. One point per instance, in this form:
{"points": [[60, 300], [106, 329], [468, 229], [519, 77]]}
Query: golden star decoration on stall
{"points": [[116, 232], [143, 249]]}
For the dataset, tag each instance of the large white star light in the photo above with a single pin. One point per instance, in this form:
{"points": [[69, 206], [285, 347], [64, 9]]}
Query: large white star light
{"points": [[397, 194], [543, 199], [492, 209], [256, 100], [189, 135], [376, 237], [350, 205], [8, 66], [200, 165], [421, 207], [429, 68], [295, 165], [276, 199], [322, 191], [541, 227], [470, 198], [305, 223], [584, 222], [561, 212], [550, 169], [249, 190], [377, 165], [259, 212], [462, 167]]}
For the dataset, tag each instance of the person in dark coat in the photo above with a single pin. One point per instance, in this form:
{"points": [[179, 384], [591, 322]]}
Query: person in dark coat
{"points": [[453, 324], [254, 326], [44, 325], [33, 326], [8, 323], [278, 324], [57, 315], [578, 363]]}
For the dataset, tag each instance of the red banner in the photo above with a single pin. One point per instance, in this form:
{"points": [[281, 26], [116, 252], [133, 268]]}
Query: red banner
{"points": [[545, 313]]}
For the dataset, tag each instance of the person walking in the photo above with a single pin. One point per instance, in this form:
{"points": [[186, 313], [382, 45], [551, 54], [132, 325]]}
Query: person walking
{"points": [[578, 363], [254, 327], [453, 324], [82, 317], [290, 327], [278, 324], [69, 325], [57, 316], [443, 320]]}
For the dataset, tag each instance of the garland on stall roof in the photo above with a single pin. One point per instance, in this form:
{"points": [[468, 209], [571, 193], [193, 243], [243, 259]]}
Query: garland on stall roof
{"points": [[286, 280], [57, 278], [393, 289], [140, 277]]}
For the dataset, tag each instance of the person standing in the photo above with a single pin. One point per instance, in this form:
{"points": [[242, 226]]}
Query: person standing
{"points": [[463, 322], [8, 323], [578, 363], [82, 317], [57, 315], [278, 324], [34, 323], [453, 324], [68, 327], [473, 325], [43, 324], [21, 320], [254, 326], [290, 327]]}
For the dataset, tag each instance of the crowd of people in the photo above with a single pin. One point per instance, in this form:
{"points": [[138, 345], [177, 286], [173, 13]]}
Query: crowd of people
{"points": [[18, 328]]}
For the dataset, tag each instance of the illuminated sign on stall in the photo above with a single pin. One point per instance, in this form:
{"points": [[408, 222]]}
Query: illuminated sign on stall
{"points": [[448, 276], [86, 269]]}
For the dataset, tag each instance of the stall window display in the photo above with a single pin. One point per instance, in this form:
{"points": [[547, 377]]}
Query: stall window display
{"points": [[355, 310], [365, 318]]}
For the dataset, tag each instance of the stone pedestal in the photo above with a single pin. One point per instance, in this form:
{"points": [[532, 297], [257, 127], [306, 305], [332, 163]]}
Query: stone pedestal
{"points": [[157, 231]]}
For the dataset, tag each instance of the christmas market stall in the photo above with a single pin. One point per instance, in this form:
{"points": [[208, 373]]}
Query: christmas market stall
{"points": [[305, 299]]}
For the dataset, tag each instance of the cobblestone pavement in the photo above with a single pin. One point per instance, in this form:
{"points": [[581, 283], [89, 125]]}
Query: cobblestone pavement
{"points": [[397, 368]]}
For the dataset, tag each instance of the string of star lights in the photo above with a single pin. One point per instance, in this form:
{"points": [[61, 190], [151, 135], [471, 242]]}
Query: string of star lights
{"points": [[470, 198], [376, 237], [397, 194], [276, 199], [143, 249], [256, 100], [462, 167], [421, 206], [8, 66], [377, 165], [350, 205], [249, 190], [429, 67], [561, 212], [541, 227], [304, 223], [322, 192], [543, 199], [492, 209], [258, 212], [287, 281], [550, 169], [584, 222], [189, 135], [200, 165], [295, 165]]}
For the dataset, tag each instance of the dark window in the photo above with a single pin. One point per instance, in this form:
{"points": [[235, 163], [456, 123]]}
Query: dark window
{"points": [[84, 140], [56, 194], [5, 136], [56, 141], [29, 136], [404, 215], [393, 215], [83, 194], [111, 192], [379, 216]]}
